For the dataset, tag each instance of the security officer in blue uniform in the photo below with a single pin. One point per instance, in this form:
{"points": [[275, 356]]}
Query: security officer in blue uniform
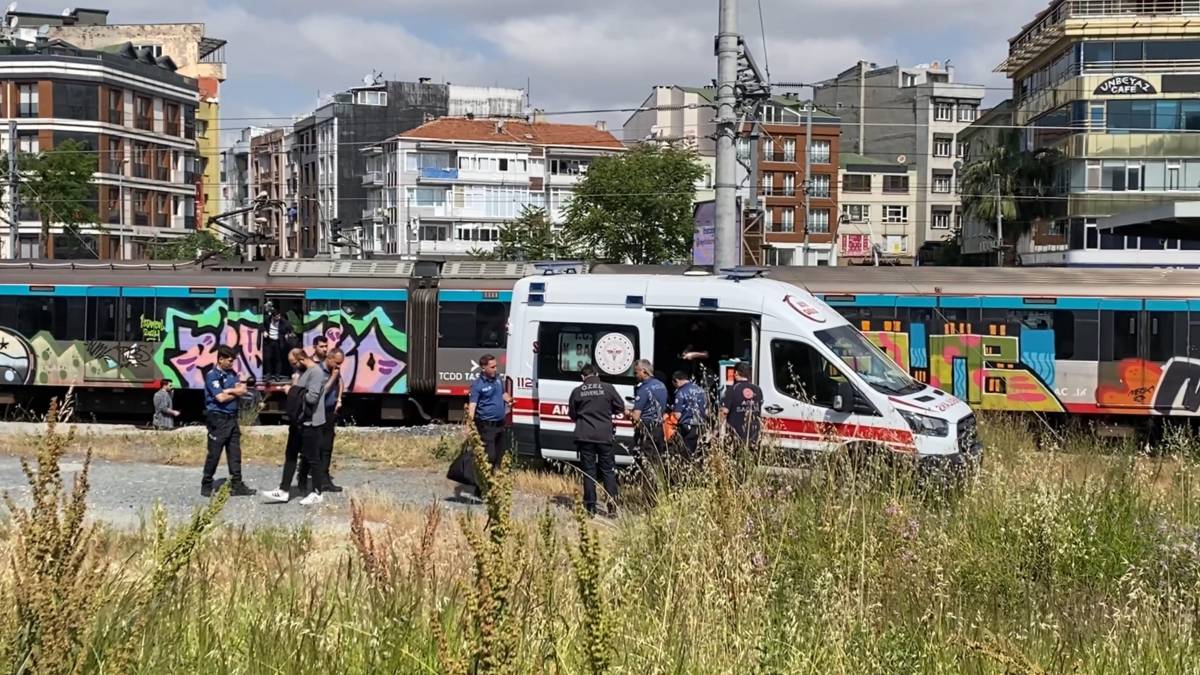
{"points": [[691, 403], [488, 409], [649, 404], [222, 389]]}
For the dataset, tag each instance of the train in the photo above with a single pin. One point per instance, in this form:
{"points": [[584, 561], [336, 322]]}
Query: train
{"points": [[1111, 343]]}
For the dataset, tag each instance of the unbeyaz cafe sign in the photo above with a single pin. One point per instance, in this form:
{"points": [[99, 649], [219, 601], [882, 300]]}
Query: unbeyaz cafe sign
{"points": [[1124, 85]]}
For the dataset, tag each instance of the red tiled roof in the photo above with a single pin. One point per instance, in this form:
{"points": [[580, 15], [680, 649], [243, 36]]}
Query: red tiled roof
{"points": [[514, 131]]}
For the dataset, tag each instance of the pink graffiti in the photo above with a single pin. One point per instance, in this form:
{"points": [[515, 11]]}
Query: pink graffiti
{"points": [[198, 352], [368, 366]]}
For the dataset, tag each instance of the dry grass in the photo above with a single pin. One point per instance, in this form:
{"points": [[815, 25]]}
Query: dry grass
{"points": [[185, 447]]}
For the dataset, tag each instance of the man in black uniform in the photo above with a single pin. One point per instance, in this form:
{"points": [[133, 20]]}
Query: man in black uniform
{"points": [[742, 408], [592, 406]]}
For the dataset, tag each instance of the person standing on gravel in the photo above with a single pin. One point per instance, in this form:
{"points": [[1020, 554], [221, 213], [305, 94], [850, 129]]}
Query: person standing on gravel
{"points": [[488, 409], [316, 386], [222, 389], [295, 408], [333, 405]]}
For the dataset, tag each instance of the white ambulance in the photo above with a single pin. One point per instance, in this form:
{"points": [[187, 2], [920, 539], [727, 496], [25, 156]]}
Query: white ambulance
{"points": [[825, 385]]}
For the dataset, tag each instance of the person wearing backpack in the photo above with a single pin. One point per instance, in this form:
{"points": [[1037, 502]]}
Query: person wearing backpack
{"points": [[297, 410]]}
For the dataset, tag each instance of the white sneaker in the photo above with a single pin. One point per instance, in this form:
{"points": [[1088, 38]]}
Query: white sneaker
{"points": [[312, 499], [277, 496]]}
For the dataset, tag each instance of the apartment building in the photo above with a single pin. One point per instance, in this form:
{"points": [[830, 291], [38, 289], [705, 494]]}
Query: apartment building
{"points": [[799, 212], [269, 177], [447, 186], [683, 116], [1114, 86], [909, 115], [194, 54], [878, 211], [327, 144], [135, 111]]}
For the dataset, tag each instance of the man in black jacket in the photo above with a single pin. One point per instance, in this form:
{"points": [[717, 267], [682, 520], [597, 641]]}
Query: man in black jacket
{"points": [[592, 406]]}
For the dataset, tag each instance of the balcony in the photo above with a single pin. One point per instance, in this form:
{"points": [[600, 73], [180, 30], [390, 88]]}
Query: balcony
{"points": [[435, 175], [373, 178]]}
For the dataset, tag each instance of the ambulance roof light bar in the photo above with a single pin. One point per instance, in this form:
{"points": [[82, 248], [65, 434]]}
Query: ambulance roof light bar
{"points": [[741, 273]]}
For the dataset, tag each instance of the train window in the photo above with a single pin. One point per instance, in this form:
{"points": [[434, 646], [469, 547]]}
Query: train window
{"points": [[564, 349], [1118, 335], [184, 305], [360, 309], [324, 305], [1163, 335], [1063, 323], [102, 319], [1086, 326], [61, 317], [473, 325], [1194, 335], [8, 311], [140, 322]]}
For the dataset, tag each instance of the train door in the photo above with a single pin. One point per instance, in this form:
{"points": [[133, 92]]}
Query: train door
{"points": [[139, 334], [282, 329], [245, 320], [1171, 378], [104, 346], [1122, 381]]}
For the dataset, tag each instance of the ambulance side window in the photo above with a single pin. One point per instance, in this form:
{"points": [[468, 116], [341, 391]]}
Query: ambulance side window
{"points": [[565, 348], [802, 374]]}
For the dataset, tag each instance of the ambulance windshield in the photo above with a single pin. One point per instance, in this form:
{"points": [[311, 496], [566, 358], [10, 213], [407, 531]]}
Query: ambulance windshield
{"points": [[872, 365]]}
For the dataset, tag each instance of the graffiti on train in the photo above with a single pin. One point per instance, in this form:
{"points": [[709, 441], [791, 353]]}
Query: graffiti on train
{"points": [[992, 370], [376, 351], [1173, 386], [191, 339], [16, 358]]}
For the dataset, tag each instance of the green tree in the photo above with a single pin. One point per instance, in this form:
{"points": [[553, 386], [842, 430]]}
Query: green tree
{"points": [[636, 207], [58, 185], [530, 237], [195, 245], [1026, 181]]}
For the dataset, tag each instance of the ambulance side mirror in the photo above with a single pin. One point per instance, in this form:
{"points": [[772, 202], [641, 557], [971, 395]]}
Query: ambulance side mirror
{"points": [[844, 400]]}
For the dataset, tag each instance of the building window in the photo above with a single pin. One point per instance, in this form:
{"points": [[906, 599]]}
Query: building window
{"points": [[963, 151], [820, 152], [941, 183], [779, 257], [818, 221], [769, 147], [895, 213], [856, 182], [857, 213], [942, 146], [27, 142], [28, 98], [1172, 176], [895, 243], [819, 187], [743, 149], [895, 184], [171, 120], [112, 205], [789, 150], [143, 113], [1119, 176], [1096, 116], [156, 50], [788, 223], [370, 97], [941, 220], [966, 113], [566, 167], [1092, 181], [768, 184], [789, 184], [943, 112], [116, 107], [768, 220]]}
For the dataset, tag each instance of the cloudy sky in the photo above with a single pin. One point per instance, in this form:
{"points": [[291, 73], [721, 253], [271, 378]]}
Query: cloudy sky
{"points": [[575, 54]]}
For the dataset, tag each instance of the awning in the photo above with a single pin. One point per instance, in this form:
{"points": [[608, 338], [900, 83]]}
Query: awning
{"points": [[1177, 220]]}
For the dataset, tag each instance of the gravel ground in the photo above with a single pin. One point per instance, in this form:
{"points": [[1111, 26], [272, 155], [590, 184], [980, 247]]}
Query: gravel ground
{"points": [[123, 493]]}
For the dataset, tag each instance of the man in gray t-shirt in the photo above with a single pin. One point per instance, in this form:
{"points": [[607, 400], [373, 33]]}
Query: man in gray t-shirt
{"points": [[316, 386]]}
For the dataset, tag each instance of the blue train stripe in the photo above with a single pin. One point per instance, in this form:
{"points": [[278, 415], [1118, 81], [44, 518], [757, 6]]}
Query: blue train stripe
{"points": [[455, 295], [379, 295], [1167, 305]]}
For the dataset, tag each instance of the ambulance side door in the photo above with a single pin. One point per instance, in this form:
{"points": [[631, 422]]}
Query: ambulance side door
{"points": [[611, 340]]}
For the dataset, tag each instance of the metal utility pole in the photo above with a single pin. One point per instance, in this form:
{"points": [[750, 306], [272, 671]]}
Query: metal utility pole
{"points": [[807, 170], [14, 205], [999, 227], [727, 236]]}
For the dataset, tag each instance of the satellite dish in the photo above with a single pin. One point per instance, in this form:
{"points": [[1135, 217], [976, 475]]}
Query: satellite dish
{"points": [[902, 159], [12, 7], [369, 79], [43, 30]]}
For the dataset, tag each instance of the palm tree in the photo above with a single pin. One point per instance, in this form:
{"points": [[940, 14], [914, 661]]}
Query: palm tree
{"points": [[1026, 181]]}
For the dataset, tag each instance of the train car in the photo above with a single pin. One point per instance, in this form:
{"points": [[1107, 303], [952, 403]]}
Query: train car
{"points": [[1096, 342], [115, 332]]}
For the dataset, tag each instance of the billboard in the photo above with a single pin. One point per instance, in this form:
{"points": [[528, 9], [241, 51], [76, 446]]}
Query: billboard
{"points": [[704, 241]]}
